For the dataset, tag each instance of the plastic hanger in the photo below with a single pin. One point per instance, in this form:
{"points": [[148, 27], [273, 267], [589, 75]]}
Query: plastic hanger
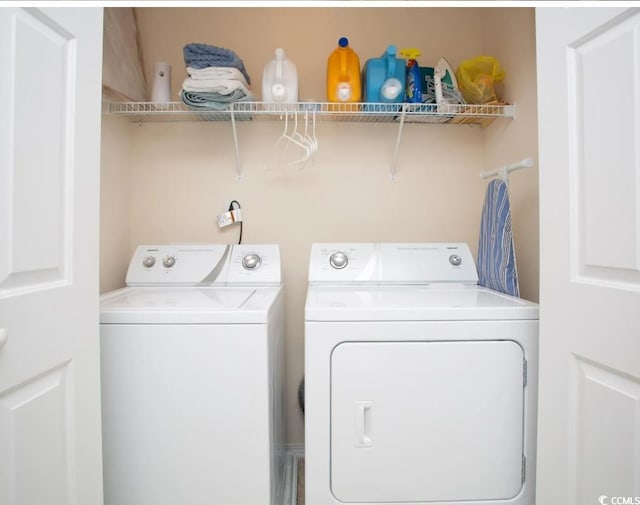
{"points": [[286, 139], [310, 138], [298, 139]]}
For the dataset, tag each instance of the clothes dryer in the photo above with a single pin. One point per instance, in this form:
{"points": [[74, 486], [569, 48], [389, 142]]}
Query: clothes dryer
{"points": [[192, 367], [420, 385]]}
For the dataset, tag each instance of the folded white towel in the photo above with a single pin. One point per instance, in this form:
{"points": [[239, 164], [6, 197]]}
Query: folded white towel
{"points": [[222, 86], [216, 73]]}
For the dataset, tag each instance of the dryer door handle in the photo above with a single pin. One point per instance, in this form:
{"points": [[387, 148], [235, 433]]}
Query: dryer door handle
{"points": [[362, 431]]}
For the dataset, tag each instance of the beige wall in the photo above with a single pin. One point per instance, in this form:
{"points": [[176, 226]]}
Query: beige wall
{"points": [[115, 202], [183, 174], [307, 35], [509, 35]]}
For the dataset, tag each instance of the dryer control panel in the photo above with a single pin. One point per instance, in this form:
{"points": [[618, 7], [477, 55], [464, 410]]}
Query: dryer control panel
{"points": [[392, 263], [204, 264]]}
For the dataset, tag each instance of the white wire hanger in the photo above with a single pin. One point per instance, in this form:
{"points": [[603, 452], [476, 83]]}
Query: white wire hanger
{"points": [[306, 141], [310, 137]]}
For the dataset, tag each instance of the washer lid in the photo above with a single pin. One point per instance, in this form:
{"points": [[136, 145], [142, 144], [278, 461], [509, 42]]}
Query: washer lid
{"points": [[176, 305], [436, 302]]}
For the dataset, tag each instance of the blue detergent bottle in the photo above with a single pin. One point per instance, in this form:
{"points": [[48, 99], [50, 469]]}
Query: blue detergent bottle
{"points": [[384, 78], [413, 92]]}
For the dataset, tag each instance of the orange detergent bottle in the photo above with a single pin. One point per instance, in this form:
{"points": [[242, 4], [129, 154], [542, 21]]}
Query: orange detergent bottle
{"points": [[343, 74]]}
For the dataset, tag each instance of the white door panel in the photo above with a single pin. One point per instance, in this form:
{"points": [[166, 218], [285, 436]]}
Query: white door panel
{"points": [[589, 133], [36, 179], [50, 91], [34, 422], [603, 158], [605, 416]]}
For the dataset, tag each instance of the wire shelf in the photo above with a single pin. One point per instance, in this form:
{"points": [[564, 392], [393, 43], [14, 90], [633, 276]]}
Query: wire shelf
{"points": [[350, 112]]}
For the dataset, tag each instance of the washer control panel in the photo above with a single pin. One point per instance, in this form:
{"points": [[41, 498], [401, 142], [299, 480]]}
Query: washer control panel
{"points": [[206, 264], [254, 264], [349, 262], [392, 263]]}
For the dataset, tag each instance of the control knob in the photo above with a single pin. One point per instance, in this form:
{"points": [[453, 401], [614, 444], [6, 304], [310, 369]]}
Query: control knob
{"points": [[338, 260], [455, 260], [148, 261], [251, 261], [169, 261]]}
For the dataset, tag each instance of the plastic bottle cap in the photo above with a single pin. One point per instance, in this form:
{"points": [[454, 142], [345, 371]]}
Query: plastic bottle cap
{"points": [[344, 91], [279, 52], [343, 42], [410, 53], [391, 88]]}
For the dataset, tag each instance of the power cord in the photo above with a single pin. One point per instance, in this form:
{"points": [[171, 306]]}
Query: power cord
{"points": [[235, 204]]}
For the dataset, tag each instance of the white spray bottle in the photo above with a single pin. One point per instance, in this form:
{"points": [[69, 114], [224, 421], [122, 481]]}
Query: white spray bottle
{"points": [[280, 79]]}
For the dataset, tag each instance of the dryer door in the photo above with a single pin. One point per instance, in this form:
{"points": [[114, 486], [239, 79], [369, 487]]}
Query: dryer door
{"points": [[426, 421]]}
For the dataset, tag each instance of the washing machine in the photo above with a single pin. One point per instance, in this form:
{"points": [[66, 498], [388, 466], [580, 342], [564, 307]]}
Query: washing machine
{"points": [[420, 385], [192, 370]]}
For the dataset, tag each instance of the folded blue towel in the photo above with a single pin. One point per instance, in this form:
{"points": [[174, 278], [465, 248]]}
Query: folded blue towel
{"points": [[204, 55], [496, 254]]}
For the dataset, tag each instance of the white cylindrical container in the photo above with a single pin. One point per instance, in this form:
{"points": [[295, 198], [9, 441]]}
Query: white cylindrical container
{"points": [[280, 79], [161, 90]]}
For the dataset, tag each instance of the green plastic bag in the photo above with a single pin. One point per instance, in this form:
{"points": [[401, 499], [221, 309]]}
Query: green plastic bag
{"points": [[476, 78]]}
